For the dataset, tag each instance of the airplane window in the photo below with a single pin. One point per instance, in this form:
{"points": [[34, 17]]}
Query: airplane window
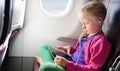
{"points": [[56, 7]]}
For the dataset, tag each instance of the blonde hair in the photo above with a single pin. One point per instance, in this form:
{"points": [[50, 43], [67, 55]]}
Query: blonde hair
{"points": [[83, 34], [97, 9]]}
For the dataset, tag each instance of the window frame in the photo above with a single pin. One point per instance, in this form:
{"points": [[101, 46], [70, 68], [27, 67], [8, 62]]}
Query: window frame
{"points": [[63, 14]]}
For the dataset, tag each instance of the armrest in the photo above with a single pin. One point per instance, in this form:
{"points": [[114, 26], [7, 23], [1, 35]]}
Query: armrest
{"points": [[115, 65], [68, 39]]}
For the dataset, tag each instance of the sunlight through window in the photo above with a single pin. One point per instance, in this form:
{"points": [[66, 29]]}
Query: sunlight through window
{"points": [[56, 7]]}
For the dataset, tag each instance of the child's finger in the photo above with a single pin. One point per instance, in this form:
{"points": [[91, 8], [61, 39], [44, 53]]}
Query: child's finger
{"points": [[57, 60], [68, 51], [60, 48], [57, 46], [57, 57], [60, 61]]}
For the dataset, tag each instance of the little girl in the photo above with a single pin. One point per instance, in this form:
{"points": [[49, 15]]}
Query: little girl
{"points": [[90, 52]]}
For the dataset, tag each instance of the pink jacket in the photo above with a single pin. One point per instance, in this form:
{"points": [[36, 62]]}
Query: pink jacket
{"points": [[96, 53]]}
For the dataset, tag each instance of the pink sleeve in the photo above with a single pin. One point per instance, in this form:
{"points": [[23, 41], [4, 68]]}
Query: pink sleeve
{"points": [[77, 67], [98, 51]]}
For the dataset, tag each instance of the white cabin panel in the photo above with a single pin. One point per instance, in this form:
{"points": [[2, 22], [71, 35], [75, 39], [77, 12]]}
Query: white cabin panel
{"points": [[40, 27]]}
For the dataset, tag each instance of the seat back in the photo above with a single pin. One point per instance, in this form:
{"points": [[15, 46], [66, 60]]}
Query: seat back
{"points": [[2, 8], [5, 19], [112, 30]]}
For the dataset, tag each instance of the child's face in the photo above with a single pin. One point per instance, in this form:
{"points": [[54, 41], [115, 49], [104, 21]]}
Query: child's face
{"points": [[90, 24]]}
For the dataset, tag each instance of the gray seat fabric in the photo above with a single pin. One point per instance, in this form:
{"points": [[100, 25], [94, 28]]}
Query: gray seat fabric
{"points": [[112, 30], [116, 65], [2, 7], [116, 42], [5, 25], [5, 20]]}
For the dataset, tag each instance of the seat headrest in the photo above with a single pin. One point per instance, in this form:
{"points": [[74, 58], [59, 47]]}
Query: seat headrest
{"points": [[112, 22]]}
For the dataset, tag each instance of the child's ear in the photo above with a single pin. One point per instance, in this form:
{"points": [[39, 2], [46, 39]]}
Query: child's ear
{"points": [[101, 19], [99, 22]]}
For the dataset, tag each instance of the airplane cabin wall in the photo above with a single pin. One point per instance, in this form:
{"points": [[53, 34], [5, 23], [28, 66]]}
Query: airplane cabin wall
{"points": [[42, 28]]}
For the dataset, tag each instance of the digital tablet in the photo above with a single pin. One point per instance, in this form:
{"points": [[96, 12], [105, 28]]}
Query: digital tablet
{"points": [[61, 53]]}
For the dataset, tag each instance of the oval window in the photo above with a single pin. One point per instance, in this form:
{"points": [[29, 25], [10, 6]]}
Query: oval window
{"points": [[56, 7]]}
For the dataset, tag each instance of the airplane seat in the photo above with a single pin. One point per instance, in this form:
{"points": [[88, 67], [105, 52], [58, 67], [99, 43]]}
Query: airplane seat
{"points": [[112, 31], [6, 19], [116, 65], [12, 14], [111, 28], [35, 66], [5, 25]]}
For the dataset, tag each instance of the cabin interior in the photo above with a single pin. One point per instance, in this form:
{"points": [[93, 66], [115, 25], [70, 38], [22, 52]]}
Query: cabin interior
{"points": [[24, 25]]}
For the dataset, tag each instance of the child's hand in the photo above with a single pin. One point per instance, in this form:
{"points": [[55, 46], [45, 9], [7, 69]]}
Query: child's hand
{"points": [[60, 61], [64, 48], [60, 48]]}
